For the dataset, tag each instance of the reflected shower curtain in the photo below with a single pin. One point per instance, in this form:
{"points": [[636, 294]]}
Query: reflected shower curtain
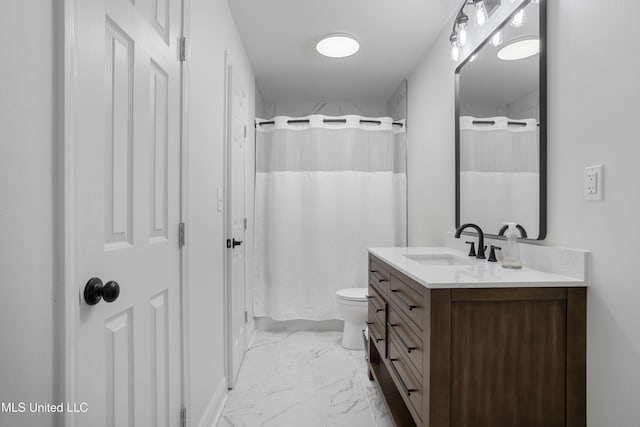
{"points": [[499, 172], [326, 189]]}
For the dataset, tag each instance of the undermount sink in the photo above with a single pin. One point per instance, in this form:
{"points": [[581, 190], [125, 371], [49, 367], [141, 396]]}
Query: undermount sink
{"points": [[438, 259]]}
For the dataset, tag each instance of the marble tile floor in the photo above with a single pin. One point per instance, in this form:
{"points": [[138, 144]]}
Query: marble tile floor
{"points": [[303, 379]]}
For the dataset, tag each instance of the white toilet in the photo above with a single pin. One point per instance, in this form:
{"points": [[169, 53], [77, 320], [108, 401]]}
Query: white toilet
{"points": [[352, 306]]}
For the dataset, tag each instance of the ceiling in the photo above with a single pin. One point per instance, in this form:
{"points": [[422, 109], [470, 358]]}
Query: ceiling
{"points": [[280, 38]]}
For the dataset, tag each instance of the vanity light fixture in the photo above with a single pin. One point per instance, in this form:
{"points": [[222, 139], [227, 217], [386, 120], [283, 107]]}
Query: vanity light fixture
{"points": [[338, 45], [520, 49], [482, 9]]}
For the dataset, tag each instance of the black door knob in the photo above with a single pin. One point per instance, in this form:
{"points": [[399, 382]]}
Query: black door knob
{"points": [[233, 243], [94, 291]]}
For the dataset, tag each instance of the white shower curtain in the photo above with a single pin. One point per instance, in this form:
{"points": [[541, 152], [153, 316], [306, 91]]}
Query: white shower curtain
{"points": [[326, 189], [499, 172]]}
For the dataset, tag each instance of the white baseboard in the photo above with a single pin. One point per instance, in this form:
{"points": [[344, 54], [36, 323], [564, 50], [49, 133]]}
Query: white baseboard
{"points": [[268, 324], [213, 412], [251, 333]]}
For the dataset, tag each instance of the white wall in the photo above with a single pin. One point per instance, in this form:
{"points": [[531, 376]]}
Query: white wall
{"points": [[593, 116], [329, 108], [397, 104], [592, 109], [29, 143], [259, 104], [212, 33]]}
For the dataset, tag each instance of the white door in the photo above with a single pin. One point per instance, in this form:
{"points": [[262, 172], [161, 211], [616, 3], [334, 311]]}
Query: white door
{"points": [[125, 120], [236, 147]]}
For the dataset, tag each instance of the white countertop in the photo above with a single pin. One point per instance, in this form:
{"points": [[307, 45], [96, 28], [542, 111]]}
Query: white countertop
{"points": [[477, 274]]}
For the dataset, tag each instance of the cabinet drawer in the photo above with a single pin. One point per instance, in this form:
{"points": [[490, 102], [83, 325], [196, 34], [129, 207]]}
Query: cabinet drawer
{"points": [[377, 305], [409, 386], [408, 301], [377, 334], [379, 276], [406, 341]]}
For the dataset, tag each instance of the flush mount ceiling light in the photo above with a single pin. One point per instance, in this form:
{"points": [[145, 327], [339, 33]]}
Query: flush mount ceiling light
{"points": [[520, 49], [337, 45]]}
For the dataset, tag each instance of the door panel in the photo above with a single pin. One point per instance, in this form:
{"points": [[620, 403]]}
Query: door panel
{"points": [[119, 366], [236, 228], [159, 112], [126, 149], [119, 137], [159, 359]]}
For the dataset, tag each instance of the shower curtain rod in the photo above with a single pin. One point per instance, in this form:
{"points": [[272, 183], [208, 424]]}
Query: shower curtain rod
{"points": [[377, 122], [492, 122]]}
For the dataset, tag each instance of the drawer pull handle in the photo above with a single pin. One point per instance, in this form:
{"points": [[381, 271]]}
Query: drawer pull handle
{"points": [[373, 335], [374, 307], [404, 344], [406, 304], [375, 274], [370, 296], [406, 389], [370, 323]]}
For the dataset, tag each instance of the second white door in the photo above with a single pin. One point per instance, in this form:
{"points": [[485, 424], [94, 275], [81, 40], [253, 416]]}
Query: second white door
{"points": [[236, 222]]}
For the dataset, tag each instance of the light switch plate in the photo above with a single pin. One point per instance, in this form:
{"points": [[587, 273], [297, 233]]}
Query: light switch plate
{"points": [[593, 182], [220, 199]]}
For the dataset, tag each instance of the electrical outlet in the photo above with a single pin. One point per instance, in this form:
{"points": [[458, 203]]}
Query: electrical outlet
{"points": [[593, 182]]}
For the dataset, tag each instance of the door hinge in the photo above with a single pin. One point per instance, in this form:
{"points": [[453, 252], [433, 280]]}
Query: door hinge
{"points": [[183, 49], [245, 224], [245, 131], [183, 416], [181, 234], [246, 317]]}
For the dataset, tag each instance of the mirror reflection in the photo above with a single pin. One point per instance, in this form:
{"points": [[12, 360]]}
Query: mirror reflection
{"points": [[500, 161]]}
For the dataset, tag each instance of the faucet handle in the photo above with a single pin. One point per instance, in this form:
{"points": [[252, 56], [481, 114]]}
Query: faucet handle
{"points": [[472, 248], [492, 253], [481, 252]]}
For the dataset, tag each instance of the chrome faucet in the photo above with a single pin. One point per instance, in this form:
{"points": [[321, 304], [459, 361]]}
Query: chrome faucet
{"points": [[481, 246]]}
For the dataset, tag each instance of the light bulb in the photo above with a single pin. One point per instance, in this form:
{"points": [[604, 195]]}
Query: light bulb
{"points": [[473, 57], [462, 34], [481, 12], [518, 19], [461, 28], [496, 39], [455, 53]]}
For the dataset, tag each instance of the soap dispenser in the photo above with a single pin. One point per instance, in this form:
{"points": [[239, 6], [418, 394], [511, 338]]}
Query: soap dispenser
{"points": [[510, 251]]}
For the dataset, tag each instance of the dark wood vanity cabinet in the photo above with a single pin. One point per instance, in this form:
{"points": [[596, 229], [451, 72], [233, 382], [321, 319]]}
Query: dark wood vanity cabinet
{"points": [[477, 357]]}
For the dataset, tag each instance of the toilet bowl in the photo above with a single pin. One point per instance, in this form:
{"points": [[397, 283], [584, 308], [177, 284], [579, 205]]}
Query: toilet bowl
{"points": [[352, 306]]}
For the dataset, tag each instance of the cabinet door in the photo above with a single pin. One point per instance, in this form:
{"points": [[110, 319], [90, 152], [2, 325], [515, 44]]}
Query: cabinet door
{"points": [[508, 363]]}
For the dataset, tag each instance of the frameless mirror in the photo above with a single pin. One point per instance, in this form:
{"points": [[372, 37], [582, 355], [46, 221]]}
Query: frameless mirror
{"points": [[501, 126]]}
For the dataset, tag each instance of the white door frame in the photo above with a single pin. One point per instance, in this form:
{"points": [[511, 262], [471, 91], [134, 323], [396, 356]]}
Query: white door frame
{"points": [[184, 213], [71, 289]]}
